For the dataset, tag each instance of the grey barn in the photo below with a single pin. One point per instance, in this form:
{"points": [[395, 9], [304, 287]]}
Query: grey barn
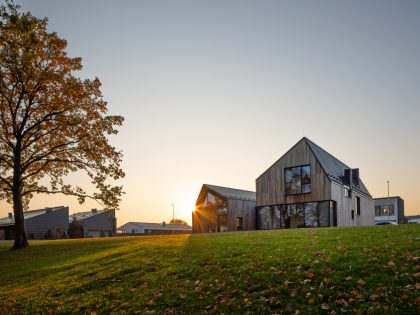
{"points": [[47, 223], [94, 223]]}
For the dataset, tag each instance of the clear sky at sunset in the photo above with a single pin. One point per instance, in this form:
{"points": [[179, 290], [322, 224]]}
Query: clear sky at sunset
{"points": [[216, 91]]}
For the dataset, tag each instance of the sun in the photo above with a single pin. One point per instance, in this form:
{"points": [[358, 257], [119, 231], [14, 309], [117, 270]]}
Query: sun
{"points": [[184, 206]]}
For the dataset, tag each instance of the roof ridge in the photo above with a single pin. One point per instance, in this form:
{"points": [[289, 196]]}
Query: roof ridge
{"points": [[229, 188], [310, 142]]}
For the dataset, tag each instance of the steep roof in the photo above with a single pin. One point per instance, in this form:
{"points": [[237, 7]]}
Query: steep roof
{"points": [[28, 214], [232, 192], [333, 167]]}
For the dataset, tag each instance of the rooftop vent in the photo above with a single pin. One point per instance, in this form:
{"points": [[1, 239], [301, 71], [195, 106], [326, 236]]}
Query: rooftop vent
{"points": [[347, 176], [94, 210], [48, 210], [355, 175], [10, 215]]}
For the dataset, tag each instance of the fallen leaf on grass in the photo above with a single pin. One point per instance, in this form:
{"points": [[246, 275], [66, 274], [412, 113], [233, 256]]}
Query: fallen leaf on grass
{"points": [[361, 282], [324, 306]]}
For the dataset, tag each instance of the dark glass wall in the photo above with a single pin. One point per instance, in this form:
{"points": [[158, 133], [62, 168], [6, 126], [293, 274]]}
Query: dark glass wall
{"points": [[297, 215]]}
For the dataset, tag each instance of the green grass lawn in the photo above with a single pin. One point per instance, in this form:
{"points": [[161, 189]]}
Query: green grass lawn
{"points": [[366, 270]]}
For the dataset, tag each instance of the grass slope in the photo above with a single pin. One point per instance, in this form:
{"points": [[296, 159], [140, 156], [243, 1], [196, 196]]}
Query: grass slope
{"points": [[364, 270]]}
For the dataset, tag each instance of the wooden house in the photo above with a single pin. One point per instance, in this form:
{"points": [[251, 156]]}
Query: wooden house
{"points": [[308, 187], [222, 209]]}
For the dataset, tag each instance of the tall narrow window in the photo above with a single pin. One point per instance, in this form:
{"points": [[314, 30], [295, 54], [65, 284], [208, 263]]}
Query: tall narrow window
{"points": [[357, 205], [297, 180]]}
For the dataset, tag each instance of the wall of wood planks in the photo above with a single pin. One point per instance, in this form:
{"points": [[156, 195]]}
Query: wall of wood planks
{"points": [[244, 209], [270, 185], [345, 206]]}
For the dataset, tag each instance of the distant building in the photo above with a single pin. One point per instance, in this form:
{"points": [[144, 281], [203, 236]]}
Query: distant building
{"points": [[222, 209], [47, 223], [94, 223], [389, 210], [413, 218], [144, 228]]}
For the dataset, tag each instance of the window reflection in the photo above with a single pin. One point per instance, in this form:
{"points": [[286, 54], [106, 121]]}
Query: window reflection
{"points": [[383, 211], [297, 180], [309, 214]]}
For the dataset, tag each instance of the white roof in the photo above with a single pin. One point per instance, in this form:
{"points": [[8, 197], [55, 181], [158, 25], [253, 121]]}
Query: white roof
{"points": [[84, 215], [156, 226]]}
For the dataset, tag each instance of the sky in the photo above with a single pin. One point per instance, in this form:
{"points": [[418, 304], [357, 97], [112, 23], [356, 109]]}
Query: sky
{"points": [[216, 91]]}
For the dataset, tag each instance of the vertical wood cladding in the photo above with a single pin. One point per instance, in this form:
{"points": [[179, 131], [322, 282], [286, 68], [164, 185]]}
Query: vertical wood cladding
{"points": [[244, 209], [205, 220], [271, 186], [345, 206]]}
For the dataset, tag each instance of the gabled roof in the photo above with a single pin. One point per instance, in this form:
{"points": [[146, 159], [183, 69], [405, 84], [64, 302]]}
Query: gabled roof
{"points": [[157, 226], [333, 167], [232, 193], [84, 215], [28, 215]]}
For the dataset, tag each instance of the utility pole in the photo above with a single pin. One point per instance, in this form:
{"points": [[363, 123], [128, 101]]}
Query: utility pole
{"points": [[173, 217], [388, 199]]}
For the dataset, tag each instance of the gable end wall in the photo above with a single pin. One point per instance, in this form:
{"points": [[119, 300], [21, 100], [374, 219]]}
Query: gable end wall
{"points": [[270, 185]]}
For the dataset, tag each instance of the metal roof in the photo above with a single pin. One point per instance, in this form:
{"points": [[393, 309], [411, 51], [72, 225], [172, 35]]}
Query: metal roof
{"points": [[333, 167], [232, 192], [28, 215], [84, 215], [158, 226]]}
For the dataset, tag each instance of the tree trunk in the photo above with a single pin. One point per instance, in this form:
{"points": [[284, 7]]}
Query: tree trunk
{"points": [[20, 233]]}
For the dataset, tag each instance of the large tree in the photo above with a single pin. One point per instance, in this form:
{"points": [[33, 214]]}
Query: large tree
{"points": [[52, 122]]}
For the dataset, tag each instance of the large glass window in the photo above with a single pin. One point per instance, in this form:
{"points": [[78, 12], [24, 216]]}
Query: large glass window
{"points": [[222, 225], [211, 198], [317, 214], [384, 211], [297, 180], [264, 220], [309, 214], [269, 218], [296, 215]]}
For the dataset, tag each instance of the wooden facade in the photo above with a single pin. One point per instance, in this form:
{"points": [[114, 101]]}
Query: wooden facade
{"points": [[270, 185], [232, 210], [328, 183]]}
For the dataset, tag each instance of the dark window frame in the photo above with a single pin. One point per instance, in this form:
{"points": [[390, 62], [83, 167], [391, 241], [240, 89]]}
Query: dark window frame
{"points": [[301, 179], [282, 223], [239, 223], [358, 210], [381, 212]]}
